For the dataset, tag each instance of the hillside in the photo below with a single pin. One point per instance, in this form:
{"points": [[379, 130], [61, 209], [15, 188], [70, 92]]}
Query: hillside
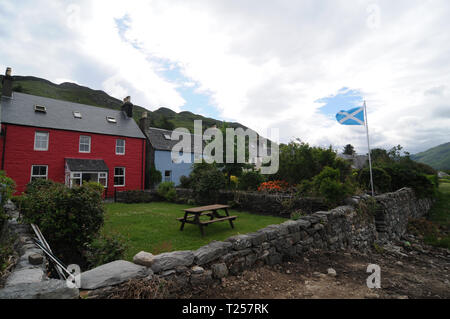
{"points": [[81, 94], [437, 157]]}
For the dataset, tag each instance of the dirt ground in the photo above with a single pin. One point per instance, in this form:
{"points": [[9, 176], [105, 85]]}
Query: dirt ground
{"points": [[409, 270]]}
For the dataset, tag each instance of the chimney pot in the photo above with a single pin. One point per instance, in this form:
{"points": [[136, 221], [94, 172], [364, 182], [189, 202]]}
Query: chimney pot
{"points": [[7, 83]]}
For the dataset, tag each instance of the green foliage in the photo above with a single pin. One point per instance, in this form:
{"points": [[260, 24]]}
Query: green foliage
{"points": [[105, 248], [166, 124], [69, 218], [206, 182], [7, 189], [349, 149], [167, 191], [381, 179], [299, 161], [155, 176], [405, 177], [250, 180], [328, 184], [185, 182], [305, 188], [297, 214]]}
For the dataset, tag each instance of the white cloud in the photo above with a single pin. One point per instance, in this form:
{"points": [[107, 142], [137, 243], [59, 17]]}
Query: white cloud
{"points": [[263, 63]]}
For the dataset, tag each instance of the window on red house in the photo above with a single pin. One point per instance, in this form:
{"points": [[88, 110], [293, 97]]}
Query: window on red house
{"points": [[119, 176], [120, 147], [41, 141], [85, 144], [39, 172]]}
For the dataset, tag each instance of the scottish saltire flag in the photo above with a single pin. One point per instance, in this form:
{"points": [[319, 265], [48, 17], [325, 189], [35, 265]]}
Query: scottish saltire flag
{"points": [[351, 117]]}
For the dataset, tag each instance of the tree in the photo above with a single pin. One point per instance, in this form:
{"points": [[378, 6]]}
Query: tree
{"points": [[349, 149]]}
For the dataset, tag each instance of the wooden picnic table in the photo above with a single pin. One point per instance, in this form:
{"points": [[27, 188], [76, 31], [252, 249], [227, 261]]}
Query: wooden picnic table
{"points": [[192, 216]]}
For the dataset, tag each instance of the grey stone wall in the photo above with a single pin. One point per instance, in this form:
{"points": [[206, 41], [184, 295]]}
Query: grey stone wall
{"points": [[255, 202], [356, 226], [28, 279]]}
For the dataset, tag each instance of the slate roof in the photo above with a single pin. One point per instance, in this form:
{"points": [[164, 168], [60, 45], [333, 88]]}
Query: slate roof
{"points": [[159, 142], [86, 165], [20, 110]]}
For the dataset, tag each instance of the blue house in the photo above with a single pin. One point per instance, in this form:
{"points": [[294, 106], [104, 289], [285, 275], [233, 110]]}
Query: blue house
{"points": [[159, 151]]}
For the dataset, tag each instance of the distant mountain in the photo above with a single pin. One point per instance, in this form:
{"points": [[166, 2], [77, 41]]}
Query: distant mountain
{"points": [[80, 94], [437, 157]]}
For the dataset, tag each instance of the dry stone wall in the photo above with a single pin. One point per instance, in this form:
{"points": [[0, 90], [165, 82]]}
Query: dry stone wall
{"points": [[358, 225]]}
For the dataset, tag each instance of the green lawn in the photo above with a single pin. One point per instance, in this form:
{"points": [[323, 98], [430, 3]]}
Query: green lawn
{"points": [[153, 227]]}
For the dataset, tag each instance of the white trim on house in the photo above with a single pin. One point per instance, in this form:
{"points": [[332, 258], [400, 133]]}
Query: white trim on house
{"points": [[37, 136], [38, 176], [84, 144]]}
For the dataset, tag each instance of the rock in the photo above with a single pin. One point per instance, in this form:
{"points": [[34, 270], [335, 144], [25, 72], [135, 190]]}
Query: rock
{"points": [[240, 242], [197, 270], [399, 263], [144, 259], [219, 270], [49, 289], [36, 259], [331, 272], [111, 274], [212, 251], [172, 260], [25, 276], [372, 296]]}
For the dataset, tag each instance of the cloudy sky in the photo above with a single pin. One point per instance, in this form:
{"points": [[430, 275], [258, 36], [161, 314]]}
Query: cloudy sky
{"points": [[290, 65]]}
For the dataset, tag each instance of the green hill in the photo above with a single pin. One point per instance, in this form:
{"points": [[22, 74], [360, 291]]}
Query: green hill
{"points": [[84, 95], [437, 157]]}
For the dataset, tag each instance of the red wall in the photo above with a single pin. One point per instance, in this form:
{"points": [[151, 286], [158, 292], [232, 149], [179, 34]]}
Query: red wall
{"points": [[20, 155]]}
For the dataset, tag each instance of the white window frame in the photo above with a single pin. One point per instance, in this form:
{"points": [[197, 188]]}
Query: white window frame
{"points": [[170, 176], [80, 177], [79, 145], [38, 176], [124, 174], [35, 140], [124, 146]]}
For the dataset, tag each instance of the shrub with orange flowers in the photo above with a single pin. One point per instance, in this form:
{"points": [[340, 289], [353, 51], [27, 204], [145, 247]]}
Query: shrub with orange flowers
{"points": [[273, 186]]}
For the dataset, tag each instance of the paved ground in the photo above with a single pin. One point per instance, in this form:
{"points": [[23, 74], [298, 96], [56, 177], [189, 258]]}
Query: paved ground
{"points": [[407, 271]]}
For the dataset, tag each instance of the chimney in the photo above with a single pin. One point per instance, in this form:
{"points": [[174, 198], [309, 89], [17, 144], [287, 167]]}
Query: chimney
{"points": [[127, 106], [144, 122], [7, 84]]}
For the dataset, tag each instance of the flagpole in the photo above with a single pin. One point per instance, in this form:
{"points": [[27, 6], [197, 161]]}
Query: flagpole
{"points": [[368, 146]]}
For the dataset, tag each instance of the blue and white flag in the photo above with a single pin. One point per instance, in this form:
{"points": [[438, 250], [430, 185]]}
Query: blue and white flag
{"points": [[351, 117]]}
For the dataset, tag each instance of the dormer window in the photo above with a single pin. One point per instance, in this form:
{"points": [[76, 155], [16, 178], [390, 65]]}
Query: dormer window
{"points": [[111, 119], [167, 137], [40, 108], [77, 115]]}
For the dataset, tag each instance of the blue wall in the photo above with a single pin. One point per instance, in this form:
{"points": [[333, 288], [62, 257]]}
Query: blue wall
{"points": [[163, 162]]}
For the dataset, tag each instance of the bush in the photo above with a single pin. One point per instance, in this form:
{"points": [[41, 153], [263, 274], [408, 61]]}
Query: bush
{"points": [[328, 185], [185, 182], [381, 180], [155, 176], [7, 189], [104, 249], [207, 181], [69, 218], [403, 177], [249, 181], [167, 191]]}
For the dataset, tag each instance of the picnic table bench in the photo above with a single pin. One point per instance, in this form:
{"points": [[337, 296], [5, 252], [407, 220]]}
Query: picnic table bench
{"points": [[192, 216]]}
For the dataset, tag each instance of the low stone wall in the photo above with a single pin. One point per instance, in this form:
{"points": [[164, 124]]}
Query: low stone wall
{"points": [[394, 211], [356, 226], [255, 202], [28, 279]]}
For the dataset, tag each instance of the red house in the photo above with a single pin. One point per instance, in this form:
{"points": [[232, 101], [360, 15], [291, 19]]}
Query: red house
{"points": [[69, 142]]}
